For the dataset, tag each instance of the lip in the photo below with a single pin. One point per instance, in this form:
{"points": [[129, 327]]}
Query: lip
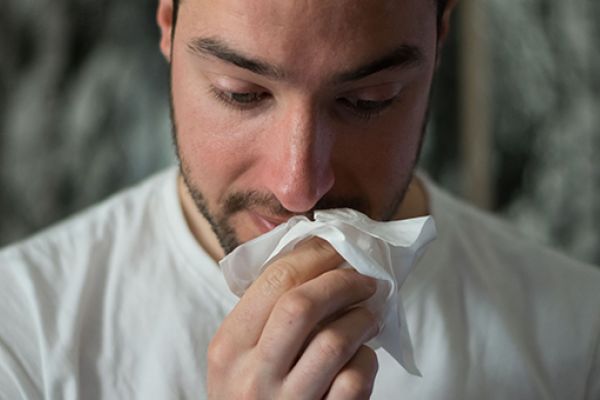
{"points": [[266, 224]]}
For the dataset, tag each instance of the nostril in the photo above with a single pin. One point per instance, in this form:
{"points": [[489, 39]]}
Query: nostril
{"points": [[301, 190]]}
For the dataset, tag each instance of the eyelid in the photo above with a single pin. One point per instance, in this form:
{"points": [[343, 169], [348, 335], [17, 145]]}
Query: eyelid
{"points": [[233, 85], [243, 101], [380, 92]]}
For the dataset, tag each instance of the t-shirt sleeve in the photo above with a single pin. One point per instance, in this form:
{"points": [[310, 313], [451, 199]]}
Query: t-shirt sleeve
{"points": [[19, 354], [15, 383]]}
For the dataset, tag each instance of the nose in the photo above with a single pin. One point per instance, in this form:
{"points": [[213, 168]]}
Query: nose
{"points": [[299, 170]]}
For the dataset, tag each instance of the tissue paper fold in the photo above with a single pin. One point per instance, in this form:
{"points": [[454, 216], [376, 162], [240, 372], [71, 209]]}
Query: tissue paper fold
{"points": [[386, 251]]}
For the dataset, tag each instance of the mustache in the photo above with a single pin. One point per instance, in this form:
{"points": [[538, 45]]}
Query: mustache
{"points": [[241, 201]]}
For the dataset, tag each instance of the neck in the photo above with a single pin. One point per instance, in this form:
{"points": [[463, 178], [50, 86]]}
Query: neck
{"points": [[198, 225], [415, 203]]}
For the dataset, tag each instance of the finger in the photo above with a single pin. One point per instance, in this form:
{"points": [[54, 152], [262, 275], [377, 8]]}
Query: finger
{"points": [[310, 259], [330, 351], [356, 380], [298, 312]]}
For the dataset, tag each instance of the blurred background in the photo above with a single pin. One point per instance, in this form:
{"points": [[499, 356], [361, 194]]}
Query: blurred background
{"points": [[515, 124]]}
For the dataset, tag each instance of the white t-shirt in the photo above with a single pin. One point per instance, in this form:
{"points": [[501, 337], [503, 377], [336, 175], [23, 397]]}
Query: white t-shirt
{"points": [[120, 302]]}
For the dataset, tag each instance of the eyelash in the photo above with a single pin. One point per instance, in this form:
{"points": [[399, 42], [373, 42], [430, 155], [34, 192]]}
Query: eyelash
{"points": [[366, 111], [229, 98], [369, 108]]}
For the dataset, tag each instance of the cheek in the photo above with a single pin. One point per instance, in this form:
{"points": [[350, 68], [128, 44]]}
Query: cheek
{"points": [[402, 129], [388, 145], [209, 137], [383, 165], [376, 158]]}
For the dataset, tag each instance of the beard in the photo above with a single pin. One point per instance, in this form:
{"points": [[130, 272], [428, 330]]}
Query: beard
{"points": [[233, 203], [220, 217]]}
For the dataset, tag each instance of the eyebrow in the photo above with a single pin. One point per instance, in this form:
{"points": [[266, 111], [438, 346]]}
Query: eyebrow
{"points": [[405, 56], [217, 48]]}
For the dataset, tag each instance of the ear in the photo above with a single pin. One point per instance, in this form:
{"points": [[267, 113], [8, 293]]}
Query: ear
{"points": [[164, 18], [444, 27]]}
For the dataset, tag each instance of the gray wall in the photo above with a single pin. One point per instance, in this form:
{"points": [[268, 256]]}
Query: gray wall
{"points": [[83, 106], [545, 120], [83, 112]]}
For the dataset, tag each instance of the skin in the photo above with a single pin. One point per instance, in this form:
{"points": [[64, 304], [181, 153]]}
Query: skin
{"points": [[256, 149]]}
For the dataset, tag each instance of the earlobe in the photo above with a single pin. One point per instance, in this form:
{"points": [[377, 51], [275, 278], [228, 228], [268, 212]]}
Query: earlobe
{"points": [[444, 27], [164, 18]]}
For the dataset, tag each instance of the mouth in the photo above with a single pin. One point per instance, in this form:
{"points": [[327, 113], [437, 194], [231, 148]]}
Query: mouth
{"points": [[266, 224]]}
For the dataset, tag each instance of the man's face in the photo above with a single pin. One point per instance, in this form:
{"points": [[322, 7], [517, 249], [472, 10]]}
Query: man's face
{"points": [[282, 107]]}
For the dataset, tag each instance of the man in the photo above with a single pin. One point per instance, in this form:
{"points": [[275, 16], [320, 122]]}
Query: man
{"points": [[280, 108]]}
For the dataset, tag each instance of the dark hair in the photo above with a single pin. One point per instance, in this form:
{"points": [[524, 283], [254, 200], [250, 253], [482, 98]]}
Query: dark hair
{"points": [[175, 13], [441, 6]]}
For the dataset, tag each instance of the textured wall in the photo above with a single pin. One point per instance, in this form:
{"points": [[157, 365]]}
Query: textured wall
{"points": [[83, 112], [83, 106], [549, 96], [545, 109]]}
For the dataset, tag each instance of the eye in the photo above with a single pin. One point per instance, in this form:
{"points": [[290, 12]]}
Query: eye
{"points": [[240, 100], [244, 98], [365, 108]]}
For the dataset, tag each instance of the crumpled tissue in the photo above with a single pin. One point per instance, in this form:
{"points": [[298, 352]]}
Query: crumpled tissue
{"points": [[386, 251]]}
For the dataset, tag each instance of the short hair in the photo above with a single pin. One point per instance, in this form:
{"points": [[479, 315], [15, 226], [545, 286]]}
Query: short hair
{"points": [[441, 6]]}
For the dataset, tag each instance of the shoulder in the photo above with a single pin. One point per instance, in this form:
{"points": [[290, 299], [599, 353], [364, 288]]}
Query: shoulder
{"points": [[511, 270], [530, 301], [90, 228], [480, 238], [56, 256], [48, 279], [528, 283]]}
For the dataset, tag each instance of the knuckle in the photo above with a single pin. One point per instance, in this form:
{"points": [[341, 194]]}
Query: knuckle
{"points": [[296, 307], [334, 345], [254, 385], [322, 246], [346, 278], [351, 280], [280, 276], [219, 354], [371, 321], [354, 386]]}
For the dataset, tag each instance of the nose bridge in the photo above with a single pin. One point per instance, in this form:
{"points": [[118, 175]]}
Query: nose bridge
{"points": [[304, 173]]}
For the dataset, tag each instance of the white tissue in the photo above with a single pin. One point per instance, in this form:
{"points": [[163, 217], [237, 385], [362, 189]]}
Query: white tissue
{"points": [[366, 245]]}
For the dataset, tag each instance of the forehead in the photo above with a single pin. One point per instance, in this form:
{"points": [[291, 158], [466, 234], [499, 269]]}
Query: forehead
{"points": [[313, 34]]}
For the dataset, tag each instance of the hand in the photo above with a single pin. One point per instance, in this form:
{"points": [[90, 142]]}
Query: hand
{"points": [[296, 333]]}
